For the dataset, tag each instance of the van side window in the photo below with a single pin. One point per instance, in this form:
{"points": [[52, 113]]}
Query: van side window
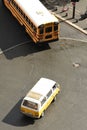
{"points": [[43, 101], [54, 87], [49, 93]]}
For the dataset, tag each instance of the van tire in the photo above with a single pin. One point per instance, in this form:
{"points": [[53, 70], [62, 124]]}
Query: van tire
{"points": [[42, 115], [54, 99]]}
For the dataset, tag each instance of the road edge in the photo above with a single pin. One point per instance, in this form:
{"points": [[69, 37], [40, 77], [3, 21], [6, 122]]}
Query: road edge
{"points": [[61, 38]]}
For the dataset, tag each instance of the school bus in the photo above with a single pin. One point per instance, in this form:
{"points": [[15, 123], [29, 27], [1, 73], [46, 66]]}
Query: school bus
{"points": [[39, 23], [37, 100]]}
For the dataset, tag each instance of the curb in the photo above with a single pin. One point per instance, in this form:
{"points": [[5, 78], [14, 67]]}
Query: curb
{"points": [[73, 39], [70, 23], [61, 38]]}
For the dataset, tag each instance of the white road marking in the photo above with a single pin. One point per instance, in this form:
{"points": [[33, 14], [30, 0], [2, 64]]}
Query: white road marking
{"points": [[8, 49]]}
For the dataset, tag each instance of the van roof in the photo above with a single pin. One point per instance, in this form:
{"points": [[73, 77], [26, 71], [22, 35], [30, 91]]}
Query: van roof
{"points": [[43, 86]]}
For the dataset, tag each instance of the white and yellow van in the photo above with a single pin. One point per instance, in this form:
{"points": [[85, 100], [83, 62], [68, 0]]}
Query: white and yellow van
{"points": [[39, 98]]}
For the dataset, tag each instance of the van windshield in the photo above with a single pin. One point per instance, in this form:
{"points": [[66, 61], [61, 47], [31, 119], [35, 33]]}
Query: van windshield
{"points": [[30, 104]]}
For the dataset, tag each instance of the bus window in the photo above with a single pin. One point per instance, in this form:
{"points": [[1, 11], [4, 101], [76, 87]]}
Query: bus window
{"points": [[26, 18], [48, 29], [34, 28], [55, 26], [41, 30], [28, 21]]}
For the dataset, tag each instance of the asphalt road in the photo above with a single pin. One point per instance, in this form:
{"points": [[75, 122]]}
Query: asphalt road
{"points": [[21, 67], [19, 72]]}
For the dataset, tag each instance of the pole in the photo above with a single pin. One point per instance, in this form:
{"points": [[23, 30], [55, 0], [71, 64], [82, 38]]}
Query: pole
{"points": [[74, 6]]}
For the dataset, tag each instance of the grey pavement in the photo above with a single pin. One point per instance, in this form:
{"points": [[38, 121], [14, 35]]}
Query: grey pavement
{"points": [[19, 72], [68, 31]]}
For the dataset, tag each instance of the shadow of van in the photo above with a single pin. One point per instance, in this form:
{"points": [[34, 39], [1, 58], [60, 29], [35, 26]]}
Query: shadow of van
{"points": [[16, 118]]}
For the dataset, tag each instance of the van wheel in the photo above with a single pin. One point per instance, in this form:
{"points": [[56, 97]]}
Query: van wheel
{"points": [[54, 99], [42, 114]]}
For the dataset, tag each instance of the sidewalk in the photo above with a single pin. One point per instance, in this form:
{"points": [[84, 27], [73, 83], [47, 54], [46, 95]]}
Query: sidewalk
{"points": [[67, 15], [79, 9]]}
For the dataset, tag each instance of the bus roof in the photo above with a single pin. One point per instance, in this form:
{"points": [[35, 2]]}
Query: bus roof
{"points": [[43, 86], [36, 11]]}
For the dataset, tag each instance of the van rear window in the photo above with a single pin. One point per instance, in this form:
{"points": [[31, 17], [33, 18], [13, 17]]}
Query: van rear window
{"points": [[30, 104]]}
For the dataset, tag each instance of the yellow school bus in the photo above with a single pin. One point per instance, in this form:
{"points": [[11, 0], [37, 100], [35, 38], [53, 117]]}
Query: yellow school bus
{"points": [[39, 23], [39, 98]]}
